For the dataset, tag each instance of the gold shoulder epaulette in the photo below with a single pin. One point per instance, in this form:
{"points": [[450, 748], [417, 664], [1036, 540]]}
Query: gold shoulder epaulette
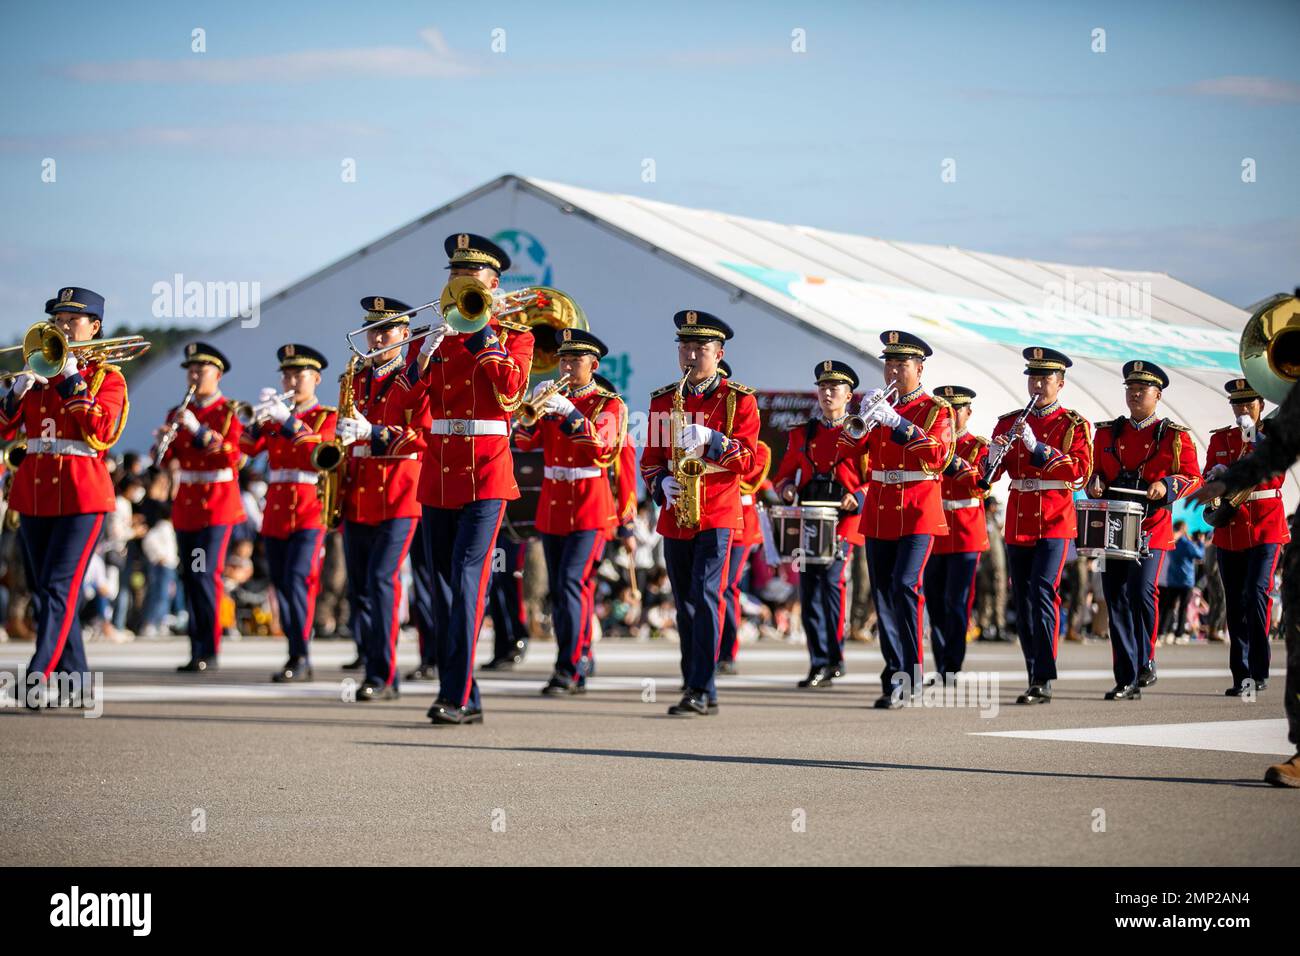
{"points": [[606, 393], [1014, 413], [1105, 424], [514, 326], [327, 409], [742, 389], [111, 368], [664, 391], [981, 439], [1075, 416], [1179, 428], [1225, 428], [941, 402]]}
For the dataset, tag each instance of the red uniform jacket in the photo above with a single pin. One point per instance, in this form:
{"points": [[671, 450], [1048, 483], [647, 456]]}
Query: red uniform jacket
{"points": [[963, 499], [1064, 454], [922, 444], [728, 408], [1173, 462], [591, 437], [384, 472], [1262, 521], [202, 503], [480, 377], [291, 505], [89, 407], [623, 475], [825, 455], [750, 485]]}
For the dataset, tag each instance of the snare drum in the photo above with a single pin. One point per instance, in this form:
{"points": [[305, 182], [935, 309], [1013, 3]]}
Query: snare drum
{"points": [[805, 532], [1110, 529]]}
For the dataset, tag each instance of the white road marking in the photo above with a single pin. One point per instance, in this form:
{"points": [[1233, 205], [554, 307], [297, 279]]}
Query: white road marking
{"points": [[1236, 736]]}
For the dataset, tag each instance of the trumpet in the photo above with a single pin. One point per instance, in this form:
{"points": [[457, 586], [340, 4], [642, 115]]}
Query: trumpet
{"points": [[855, 426], [45, 350], [247, 413], [533, 409], [168, 434]]}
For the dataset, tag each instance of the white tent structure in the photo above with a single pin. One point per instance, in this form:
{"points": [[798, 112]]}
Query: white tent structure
{"points": [[794, 294]]}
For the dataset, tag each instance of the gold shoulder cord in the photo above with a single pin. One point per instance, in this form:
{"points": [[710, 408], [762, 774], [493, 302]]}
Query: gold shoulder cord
{"points": [[951, 446], [95, 383], [748, 488], [1076, 420], [731, 412], [510, 405], [602, 461]]}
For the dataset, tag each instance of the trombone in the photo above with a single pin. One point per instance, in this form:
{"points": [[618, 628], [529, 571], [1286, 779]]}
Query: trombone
{"points": [[45, 350], [413, 337]]}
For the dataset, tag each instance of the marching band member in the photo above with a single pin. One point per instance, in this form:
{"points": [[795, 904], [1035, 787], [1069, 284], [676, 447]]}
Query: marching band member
{"points": [[1248, 547], [208, 503], [62, 488], [750, 537], [380, 511], [950, 572], [473, 383], [904, 508], [292, 529], [723, 434], [1047, 457], [1143, 452], [818, 466], [581, 431]]}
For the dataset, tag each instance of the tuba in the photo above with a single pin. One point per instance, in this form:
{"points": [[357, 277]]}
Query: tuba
{"points": [[689, 472], [330, 458], [1270, 360]]}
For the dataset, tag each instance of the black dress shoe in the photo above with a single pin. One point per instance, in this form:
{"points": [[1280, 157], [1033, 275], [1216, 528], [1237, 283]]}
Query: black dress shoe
{"points": [[295, 669], [1234, 691], [817, 677], [423, 672], [713, 707], [445, 712], [368, 691], [199, 665], [837, 669], [694, 703], [1147, 676], [1131, 692], [1261, 684], [727, 667], [888, 702], [503, 663], [557, 686], [1036, 694], [356, 665]]}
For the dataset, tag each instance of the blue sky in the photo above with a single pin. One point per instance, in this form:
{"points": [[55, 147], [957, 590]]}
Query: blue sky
{"points": [[225, 165]]}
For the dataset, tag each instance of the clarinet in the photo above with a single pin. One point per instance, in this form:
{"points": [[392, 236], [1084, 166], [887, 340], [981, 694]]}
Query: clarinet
{"points": [[994, 460]]}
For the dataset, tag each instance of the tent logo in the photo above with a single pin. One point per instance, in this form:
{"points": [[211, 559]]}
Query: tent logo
{"points": [[529, 263]]}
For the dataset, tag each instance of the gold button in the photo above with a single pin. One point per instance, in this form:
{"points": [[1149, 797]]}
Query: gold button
{"points": [[445, 440], [38, 481], [468, 382], [54, 480], [445, 468], [446, 386]]}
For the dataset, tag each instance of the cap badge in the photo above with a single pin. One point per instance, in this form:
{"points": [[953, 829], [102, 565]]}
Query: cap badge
{"points": [[462, 241], [1038, 353], [379, 303]]}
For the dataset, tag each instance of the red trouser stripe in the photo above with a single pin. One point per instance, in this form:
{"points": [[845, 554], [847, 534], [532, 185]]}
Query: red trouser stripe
{"points": [[970, 601], [484, 577], [722, 599], [394, 628], [1155, 617], [1056, 603], [839, 624], [586, 600], [919, 590], [74, 594], [219, 589], [313, 585]]}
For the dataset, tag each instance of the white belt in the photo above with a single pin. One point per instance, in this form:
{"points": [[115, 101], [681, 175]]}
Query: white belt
{"points": [[898, 477], [468, 426], [288, 476], [59, 446], [361, 450], [746, 500], [557, 473], [186, 477], [958, 503], [1039, 484], [1270, 493]]}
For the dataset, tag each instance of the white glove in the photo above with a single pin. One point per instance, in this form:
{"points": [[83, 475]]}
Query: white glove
{"points": [[871, 396], [693, 436], [24, 381], [266, 394], [276, 411], [557, 404], [350, 430], [882, 414], [69, 364], [189, 422], [671, 488], [1027, 436], [1215, 472], [541, 387], [434, 339]]}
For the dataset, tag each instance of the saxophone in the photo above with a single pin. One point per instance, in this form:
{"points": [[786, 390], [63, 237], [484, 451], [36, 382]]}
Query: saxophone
{"points": [[331, 457], [689, 472]]}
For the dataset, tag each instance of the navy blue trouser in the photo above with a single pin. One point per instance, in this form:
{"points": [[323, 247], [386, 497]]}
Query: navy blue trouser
{"points": [[570, 568], [421, 603], [697, 568], [374, 554], [295, 571], [821, 606], [460, 542], [897, 569], [1035, 587], [731, 624], [1132, 590], [506, 600], [949, 597], [56, 551], [202, 559], [1248, 594]]}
